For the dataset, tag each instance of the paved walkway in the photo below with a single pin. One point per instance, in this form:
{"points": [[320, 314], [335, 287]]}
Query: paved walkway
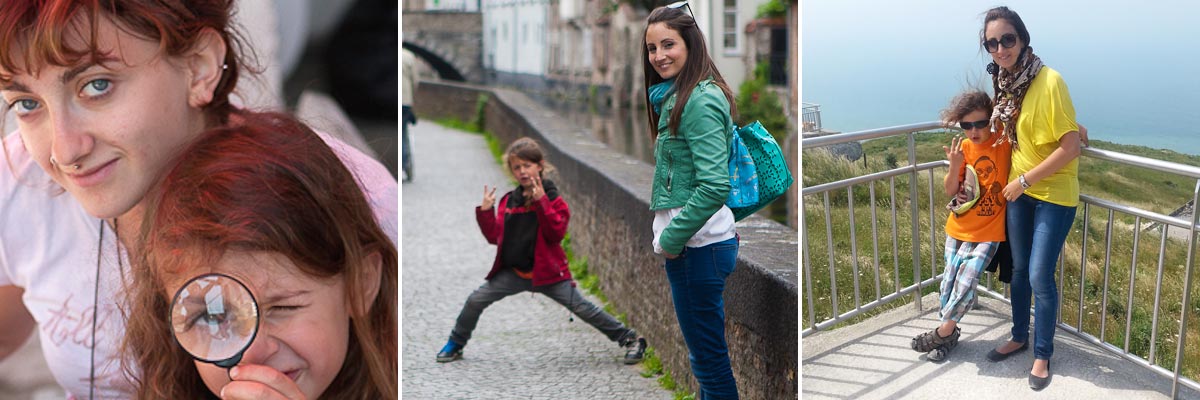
{"points": [[872, 360], [524, 347]]}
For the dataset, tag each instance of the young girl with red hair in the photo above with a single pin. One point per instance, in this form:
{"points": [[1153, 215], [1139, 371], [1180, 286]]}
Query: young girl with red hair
{"points": [[266, 201]]}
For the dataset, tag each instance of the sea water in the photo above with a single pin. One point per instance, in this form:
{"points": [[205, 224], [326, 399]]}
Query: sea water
{"points": [[1132, 68]]}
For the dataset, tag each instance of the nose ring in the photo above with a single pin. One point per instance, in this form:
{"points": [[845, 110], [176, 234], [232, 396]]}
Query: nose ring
{"points": [[73, 167]]}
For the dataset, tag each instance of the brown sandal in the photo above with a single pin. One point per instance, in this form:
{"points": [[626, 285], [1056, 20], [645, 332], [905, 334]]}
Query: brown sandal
{"points": [[928, 341]]}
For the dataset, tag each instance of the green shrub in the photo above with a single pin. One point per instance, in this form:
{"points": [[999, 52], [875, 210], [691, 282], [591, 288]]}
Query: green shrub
{"points": [[773, 8], [755, 102]]}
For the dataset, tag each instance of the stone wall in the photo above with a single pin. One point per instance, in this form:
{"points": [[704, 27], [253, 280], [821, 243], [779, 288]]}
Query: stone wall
{"points": [[610, 225], [454, 37]]}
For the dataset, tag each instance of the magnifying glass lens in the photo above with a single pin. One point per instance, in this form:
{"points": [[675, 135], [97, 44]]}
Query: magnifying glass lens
{"points": [[214, 317]]}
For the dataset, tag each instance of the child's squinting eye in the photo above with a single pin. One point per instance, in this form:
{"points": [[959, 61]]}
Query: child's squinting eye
{"points": [[285, 309]]}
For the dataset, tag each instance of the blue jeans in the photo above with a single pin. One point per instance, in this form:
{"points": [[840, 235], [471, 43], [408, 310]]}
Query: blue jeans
{"points": [[697, 279], [1036, 233]]}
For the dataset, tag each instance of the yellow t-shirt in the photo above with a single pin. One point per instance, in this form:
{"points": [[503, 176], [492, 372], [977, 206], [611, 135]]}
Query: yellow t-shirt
{"points": [[984, 222], [1046, 115]]}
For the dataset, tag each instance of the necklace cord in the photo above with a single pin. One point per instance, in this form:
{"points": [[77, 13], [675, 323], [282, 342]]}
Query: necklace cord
{"points": [[95, 310]]}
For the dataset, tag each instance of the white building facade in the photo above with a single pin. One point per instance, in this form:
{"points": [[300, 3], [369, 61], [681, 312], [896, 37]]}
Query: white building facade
{"points": [[453, 5], [723, 23], [514, 36], [572, 40]]}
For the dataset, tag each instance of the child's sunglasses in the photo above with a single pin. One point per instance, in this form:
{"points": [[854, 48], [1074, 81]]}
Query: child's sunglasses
{"points": [[1007, 40], [689, 8], [968, 125]]}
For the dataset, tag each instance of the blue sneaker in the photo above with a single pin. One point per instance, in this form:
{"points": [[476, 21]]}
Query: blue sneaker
{"points": [[450, 352]]}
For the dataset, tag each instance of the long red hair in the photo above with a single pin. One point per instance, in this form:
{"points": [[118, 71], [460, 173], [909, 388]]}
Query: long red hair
{"points": [[264, 183]]}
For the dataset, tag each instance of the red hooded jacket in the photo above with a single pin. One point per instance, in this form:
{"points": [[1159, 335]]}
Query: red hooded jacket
{"points": [[549, 259]]}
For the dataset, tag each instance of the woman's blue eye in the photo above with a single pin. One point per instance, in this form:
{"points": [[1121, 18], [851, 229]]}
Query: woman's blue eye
{"points": [[24, 106], [96, 87]]}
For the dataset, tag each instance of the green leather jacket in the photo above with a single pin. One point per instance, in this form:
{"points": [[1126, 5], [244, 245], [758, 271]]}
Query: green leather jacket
{"points": [[691, 168]]}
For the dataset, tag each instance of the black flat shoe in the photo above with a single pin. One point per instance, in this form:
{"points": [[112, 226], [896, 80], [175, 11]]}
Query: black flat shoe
{"points": [[995, 356], [1036, 383]]}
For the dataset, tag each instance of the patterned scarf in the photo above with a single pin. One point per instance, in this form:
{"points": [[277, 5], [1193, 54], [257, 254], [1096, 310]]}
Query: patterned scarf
{"points": [[1010, 92], [659, 92]]}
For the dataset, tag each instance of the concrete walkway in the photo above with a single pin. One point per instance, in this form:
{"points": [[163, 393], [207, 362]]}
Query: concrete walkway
{"points": [[524, 347], [872, 360]]}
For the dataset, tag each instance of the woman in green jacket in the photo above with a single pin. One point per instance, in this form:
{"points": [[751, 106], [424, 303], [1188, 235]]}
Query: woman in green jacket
{"points": [[693, 228]]}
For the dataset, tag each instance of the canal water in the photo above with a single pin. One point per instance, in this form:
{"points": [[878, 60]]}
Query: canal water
{"points": [[622, 129]]}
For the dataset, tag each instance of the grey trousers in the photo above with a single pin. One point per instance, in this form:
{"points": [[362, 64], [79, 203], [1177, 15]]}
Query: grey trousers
{"points": [[506, 283]]}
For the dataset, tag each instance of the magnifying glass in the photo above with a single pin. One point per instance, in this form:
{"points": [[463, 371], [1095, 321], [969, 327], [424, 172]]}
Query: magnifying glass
{"points": [[214, 317]]}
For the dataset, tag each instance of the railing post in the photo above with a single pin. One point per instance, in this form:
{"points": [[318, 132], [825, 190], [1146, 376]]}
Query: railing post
{"points": [[916, 218], [1187, 290]]}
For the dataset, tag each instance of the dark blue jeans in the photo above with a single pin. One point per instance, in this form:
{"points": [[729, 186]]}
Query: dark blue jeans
{"points": [[1036, 233], [697, 279]]}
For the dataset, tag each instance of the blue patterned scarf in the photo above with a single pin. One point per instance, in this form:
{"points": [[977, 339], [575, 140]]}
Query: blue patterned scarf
{"points": [[659, 92]]}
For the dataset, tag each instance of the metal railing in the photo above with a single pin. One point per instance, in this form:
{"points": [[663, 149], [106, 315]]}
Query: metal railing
{"points": [[811, 117], [839, 259]]}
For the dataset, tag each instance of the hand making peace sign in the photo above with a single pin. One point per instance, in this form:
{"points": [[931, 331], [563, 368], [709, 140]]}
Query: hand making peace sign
{"points": [[489, 198]]}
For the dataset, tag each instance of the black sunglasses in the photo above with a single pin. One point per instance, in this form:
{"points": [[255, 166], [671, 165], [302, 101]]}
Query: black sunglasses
{"points": [[1007, 40], [980, 124], [689, 8]]}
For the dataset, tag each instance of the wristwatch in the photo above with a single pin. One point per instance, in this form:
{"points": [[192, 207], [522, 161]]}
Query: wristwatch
{"points": [[1024, 184]]}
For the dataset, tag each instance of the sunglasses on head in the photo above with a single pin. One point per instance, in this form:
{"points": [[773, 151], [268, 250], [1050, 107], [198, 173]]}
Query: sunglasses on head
{"points": [[678, 4], [1008, 40], [968, 125]]}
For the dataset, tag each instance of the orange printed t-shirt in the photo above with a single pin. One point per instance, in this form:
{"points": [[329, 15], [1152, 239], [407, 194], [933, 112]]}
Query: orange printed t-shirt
{"points": [[984, 222]]}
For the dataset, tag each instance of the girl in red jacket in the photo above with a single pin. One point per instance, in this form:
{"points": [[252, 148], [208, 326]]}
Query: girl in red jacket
{"points": [[527, 229]]}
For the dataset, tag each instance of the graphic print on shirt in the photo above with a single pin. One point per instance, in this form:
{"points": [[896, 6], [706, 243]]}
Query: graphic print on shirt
{"points": [[992, 194], [70, 326]]}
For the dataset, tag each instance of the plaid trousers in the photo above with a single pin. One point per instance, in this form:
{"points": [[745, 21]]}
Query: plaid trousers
{"points": [[964, 263]]}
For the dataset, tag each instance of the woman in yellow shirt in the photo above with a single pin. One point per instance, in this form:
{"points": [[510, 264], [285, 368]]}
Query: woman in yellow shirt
{"points": [[1034, 106]]}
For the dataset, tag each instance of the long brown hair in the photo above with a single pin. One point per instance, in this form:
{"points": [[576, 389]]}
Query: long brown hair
{"points": [[697, 67], [264, 183]]}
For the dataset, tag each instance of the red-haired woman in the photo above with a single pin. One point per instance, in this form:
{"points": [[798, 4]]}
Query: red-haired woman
{"points": [[323, 270], [106, 94]]}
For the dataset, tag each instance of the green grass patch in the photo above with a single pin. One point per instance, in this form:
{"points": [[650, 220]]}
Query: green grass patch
{"points": [[458, 124]]}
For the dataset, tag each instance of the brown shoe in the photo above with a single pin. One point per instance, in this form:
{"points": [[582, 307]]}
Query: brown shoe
{"points": [[928, 341]]}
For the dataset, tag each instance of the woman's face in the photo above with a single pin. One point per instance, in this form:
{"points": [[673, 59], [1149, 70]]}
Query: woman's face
{"points": [[304, 322], [121, 120], [665, 49], [1002, 32]]}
